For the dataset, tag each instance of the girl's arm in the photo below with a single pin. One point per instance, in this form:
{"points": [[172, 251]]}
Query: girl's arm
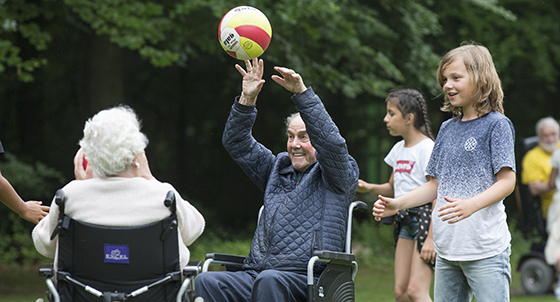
{"points": [[385, 189], [459, 209], [31, 210]]}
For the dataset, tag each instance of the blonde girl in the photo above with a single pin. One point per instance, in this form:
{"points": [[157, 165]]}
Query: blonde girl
{"points": [[473, 169]]}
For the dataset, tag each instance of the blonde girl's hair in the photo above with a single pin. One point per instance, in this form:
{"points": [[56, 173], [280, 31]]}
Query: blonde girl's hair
{"points": [[488, 94]]}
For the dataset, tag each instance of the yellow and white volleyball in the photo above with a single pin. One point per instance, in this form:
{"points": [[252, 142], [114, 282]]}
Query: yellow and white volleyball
{"points": [[244, 32]]}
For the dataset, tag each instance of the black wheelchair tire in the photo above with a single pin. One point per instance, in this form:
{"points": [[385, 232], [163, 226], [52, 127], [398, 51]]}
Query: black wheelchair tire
{"points": [[536, 276]]}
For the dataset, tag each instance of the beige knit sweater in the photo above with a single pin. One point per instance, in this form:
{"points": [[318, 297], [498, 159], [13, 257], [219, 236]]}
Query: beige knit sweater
{"points": [[117, 201]]}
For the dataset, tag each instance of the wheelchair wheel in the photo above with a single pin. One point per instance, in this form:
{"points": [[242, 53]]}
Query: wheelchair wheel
{"points": [[536, 276]]}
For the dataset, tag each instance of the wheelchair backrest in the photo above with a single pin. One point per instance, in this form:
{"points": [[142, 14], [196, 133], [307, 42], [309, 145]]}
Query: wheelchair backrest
{"points": [[121, 259]]}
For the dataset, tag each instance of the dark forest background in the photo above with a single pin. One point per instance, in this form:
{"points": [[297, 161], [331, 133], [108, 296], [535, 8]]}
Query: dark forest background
{"points": [[63, 61]]}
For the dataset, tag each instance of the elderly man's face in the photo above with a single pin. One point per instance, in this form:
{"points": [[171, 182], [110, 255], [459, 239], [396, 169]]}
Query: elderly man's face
{"points": [[300, 150], [548, 138]]}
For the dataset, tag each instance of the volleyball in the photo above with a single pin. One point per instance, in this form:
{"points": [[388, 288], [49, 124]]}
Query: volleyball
{"points": [[244, 32]]}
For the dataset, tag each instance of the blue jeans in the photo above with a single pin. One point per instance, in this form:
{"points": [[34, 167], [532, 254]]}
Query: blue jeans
{"points": [[487, 279]]}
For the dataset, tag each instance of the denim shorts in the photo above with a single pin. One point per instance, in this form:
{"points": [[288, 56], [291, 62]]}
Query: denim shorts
{"points": [[487, 279], [410, 230]]}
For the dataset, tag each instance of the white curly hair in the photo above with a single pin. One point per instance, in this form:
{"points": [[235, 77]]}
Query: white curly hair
{"points": [[112, 139]]}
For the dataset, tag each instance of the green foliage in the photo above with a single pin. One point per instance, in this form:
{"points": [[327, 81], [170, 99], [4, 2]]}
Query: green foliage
{"points": [[211, 242], [37, 182], [373, 244], [358, 46], [352, 52], [136, 25], [17, 18]]}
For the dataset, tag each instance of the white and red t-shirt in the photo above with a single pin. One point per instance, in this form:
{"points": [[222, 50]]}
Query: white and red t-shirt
{"points": [[409, 165]]}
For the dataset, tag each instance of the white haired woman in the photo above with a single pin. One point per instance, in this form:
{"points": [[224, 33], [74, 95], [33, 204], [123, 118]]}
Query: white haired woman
{"points": [[116, 187]]}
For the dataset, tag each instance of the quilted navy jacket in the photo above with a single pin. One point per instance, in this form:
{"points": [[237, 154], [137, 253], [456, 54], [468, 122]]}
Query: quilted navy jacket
{"points": [[302, 212]]}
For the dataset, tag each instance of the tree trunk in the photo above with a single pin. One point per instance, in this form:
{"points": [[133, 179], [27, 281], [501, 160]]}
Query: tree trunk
{"points": [[103, 74]]}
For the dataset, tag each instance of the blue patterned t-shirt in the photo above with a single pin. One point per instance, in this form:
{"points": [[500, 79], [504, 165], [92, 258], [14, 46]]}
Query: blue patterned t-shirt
{"points": [[465, 160]]}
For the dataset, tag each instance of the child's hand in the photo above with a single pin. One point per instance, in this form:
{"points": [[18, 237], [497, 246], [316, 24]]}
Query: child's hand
{"points": [[34, 211], [456, 210], [384, 207], [362, 186], [428, 252]]}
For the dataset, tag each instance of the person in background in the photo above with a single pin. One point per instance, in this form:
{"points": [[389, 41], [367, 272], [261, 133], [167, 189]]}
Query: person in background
{"points": [[31, 210], [407, 116], [552, 248], [535, 172], [117, 188]]}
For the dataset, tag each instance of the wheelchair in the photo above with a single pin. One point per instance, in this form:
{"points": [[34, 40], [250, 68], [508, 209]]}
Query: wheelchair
{"points": [[536, 275], [336, 282], [100, 263]]}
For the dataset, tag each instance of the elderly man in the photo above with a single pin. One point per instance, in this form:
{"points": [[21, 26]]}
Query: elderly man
{"points": [[307, 191], [536, 162]]}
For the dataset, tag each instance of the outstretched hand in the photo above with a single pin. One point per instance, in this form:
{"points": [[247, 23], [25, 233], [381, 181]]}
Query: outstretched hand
{"points": [[384, 207], [290, 80], [252, 81], [363, 186], [34, 211]]}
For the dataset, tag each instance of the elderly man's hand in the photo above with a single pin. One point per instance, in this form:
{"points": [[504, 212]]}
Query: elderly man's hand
{"points": [[252, 81], [290, 80]]}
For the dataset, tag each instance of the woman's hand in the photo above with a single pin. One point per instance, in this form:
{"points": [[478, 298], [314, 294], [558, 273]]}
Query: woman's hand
{"points": [[81, 173], [143, 166]]}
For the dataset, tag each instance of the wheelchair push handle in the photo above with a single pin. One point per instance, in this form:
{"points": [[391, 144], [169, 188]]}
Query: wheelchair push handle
{"points": [[63, 220], [59, 199], [170, 201]]}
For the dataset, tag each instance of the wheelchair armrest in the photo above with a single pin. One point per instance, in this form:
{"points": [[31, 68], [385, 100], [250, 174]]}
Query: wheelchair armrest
{"points": [[192, 268], [226, 257], [335, 257], [47, 270], [231, 262]]}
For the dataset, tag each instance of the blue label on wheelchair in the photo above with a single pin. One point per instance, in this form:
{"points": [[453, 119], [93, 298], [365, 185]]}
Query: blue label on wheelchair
{"points": [[116, 254]]}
